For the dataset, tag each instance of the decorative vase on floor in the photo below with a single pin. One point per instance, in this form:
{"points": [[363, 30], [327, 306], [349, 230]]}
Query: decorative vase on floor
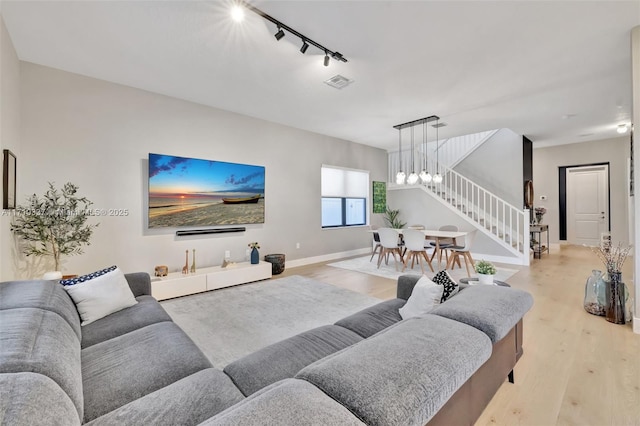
{"points": [[255, 256], [615, 298], [594, 294]]}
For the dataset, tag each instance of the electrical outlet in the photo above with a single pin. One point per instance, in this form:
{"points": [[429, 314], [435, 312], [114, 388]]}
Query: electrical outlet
{"points": [[297, 245], [247, 254], [227, 254]]}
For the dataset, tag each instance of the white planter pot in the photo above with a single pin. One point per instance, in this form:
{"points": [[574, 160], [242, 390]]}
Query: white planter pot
{"points": [[53, 275], [485, 279]]}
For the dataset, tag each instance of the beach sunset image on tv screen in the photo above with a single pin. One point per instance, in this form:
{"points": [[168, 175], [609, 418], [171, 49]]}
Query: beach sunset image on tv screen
{"points": [[193, 192]]}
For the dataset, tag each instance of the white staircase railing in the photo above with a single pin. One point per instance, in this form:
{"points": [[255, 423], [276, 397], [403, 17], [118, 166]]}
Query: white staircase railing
{"points": [[453, 150], [497, 218]]}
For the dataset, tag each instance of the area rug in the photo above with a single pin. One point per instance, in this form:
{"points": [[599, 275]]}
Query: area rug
{"points": [[362, 264], [230, 323]]}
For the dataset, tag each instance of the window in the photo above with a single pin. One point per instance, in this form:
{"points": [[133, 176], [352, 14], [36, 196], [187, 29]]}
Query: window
{"points": [[345, 194]]}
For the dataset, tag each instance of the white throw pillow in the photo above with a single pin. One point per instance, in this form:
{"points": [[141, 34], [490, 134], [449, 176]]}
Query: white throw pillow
{"points": [[100, 293], [426, 294]]}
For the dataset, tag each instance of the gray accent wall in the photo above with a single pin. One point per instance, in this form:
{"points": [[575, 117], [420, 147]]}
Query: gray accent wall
{"points": [[496, 165], [9, 138], [98, 135]]}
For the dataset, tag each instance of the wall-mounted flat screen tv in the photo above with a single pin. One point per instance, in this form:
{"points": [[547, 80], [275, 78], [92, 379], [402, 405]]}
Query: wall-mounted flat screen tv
{"points": [[193, 192]]}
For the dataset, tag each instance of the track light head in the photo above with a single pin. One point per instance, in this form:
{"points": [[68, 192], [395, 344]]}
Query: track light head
{"points": [[326, 59], [279, 34], [304, 47]]}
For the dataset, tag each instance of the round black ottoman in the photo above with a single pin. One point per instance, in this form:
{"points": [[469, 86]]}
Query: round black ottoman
{"points": [[277, 263]]}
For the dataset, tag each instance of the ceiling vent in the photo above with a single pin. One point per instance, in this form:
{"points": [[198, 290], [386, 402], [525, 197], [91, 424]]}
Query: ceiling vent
{"points": [[438, 125], [338, 81]]}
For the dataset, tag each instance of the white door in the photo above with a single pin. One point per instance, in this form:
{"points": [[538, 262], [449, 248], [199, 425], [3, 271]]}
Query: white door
{"points": [[587, 204]]}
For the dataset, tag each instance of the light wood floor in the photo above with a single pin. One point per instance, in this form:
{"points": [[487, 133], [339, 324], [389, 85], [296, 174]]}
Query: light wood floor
{"points": [[577, 368]]}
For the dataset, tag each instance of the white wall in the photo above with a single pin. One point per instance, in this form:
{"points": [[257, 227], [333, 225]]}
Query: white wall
{"points": [[9, 136], [635, 61], [98, 135], [496, 165], [545, 179]]}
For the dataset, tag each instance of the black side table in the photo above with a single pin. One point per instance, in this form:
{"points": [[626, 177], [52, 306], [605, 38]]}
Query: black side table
{"points": [[471, 282]]}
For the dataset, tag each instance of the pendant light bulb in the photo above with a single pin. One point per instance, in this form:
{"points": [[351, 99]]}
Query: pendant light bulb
{"points": [[425, 176], [400, 176], [413, 178], [437, 178]]}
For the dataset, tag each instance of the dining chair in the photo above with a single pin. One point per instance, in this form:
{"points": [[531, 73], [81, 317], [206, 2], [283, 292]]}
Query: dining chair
{"points": [[376, 240], [390, 246], [464, 251], [414, 243], [444, 245]]}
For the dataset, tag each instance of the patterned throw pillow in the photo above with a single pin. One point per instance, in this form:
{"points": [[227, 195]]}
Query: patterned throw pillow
{"points": [[450, 285], [99, 293]]}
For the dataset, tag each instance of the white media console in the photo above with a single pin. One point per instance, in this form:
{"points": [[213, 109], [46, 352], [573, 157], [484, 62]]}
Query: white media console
{"points": [[177, 284]]}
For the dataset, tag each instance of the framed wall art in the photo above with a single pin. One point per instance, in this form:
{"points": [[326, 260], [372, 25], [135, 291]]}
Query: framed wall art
{"points": [[379, 197], [8, 180]]}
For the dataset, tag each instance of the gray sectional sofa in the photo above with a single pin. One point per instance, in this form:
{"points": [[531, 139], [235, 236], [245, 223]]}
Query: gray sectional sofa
{"points": [[137, 367]]}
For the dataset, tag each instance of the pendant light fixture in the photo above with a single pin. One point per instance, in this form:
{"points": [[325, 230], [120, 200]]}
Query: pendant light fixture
{"points": [[413, 176], [438, 177], [425, 176], [400, 175]]}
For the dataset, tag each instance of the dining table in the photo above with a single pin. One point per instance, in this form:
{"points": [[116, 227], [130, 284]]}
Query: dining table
{"points": [[438, 236]]}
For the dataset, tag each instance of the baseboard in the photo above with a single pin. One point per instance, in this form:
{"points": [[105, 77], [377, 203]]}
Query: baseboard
{"points": [[326, 257], [499, 259], [636, 325]]}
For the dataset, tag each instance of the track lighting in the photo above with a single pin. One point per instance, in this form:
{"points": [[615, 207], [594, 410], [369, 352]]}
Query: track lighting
{"points": [[237, 14]]}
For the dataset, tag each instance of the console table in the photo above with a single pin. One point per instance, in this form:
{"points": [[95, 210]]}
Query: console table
{"points": [[538, 248], [177, 284]]}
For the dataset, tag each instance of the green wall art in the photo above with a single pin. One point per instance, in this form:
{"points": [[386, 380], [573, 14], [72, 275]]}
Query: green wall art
{"points": [[379, 197]]}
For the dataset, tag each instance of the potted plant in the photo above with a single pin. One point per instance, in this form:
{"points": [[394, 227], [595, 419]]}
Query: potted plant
{"points": [[392, 219], [54, 225], [486, 272]]}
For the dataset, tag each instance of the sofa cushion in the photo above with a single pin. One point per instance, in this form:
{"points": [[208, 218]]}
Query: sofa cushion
{"points": [[284, 359], [39, 341], [373, 319], [47, 295], [405, 374], [188, 401], [33, 399], [425, 296], [495, 310], [100, 293], [146, 312], [125, 368], [288, 402]]}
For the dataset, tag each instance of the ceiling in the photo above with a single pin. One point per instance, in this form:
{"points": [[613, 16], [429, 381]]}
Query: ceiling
{"points": [[555, 71]]}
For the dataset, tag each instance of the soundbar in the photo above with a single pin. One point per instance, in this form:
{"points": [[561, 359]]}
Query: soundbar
{"points": [[210, 231]]}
